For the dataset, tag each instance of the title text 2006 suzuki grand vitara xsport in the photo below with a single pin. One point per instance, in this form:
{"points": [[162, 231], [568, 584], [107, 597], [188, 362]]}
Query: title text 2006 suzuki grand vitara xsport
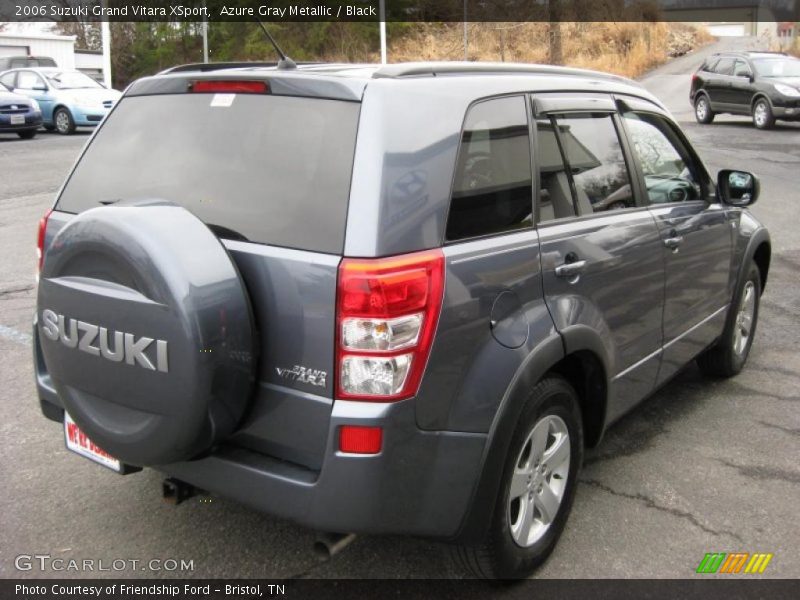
{"points": [[392, 299]]}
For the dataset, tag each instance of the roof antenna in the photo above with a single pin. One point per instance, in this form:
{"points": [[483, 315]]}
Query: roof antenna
{"points": [[285, 62]]}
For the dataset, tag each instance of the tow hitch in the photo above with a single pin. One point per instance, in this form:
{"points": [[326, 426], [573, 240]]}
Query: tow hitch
{"points": [[176, 491]]}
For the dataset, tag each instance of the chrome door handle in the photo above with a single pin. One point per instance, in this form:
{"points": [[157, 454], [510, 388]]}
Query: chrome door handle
{"points": [[571, 269], [673, 242]]}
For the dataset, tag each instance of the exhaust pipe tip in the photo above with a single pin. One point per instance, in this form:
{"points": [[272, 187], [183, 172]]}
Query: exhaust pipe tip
{"points": [[328, 545]]}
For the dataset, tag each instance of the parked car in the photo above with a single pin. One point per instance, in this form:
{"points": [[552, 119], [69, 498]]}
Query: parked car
{"points": [[68, 99], [764, 85], [17, 62], [355, 297], [18, 114]]}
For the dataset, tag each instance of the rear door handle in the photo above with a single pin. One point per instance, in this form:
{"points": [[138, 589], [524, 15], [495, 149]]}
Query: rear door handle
{"points": [[570, 269]]}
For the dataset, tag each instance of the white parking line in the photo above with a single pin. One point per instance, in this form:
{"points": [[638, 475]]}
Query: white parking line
{"points": [[9, 333]]}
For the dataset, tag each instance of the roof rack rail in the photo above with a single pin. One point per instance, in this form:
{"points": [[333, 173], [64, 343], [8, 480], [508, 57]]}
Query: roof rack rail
{"points": [[434, 69]]}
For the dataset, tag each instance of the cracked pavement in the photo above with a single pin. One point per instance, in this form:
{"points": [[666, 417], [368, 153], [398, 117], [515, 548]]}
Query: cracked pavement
{"points": [[701, 466]]}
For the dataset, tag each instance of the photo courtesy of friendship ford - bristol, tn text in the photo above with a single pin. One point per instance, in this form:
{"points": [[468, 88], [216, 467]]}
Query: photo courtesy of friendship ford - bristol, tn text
{"points": [[436, 299]]}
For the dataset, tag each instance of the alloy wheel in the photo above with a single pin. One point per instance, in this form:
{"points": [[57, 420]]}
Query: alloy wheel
{"points": [[539, 480], [744, 318]]}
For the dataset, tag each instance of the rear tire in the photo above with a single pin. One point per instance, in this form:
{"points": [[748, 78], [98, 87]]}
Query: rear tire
{"points": [[27, 135], [762, 114], [537, 488], [702, 110], [728, 355]]}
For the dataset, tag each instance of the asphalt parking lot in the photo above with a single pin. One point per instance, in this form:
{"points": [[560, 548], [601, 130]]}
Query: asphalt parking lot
{"points": [[701, 466]]}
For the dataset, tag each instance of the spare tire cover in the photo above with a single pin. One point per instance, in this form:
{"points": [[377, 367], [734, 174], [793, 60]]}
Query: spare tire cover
{"points": [[147, 331]]}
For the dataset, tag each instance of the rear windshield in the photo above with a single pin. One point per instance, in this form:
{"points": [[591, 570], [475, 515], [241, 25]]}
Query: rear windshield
{"points": [[262, 168]]}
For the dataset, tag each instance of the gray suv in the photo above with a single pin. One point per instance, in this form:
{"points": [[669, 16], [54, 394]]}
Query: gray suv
{"points": [[387, 299]]}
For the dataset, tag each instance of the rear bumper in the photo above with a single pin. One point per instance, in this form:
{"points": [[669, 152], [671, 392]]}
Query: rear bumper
{"points": [[420, 484]]}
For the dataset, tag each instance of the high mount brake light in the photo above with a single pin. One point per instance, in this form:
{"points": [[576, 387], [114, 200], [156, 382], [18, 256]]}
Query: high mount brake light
{"points": [[40, 240], [230, 86], [387, 310]]}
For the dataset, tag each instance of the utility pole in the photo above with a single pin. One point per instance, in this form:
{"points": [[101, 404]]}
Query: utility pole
{"points": [[205, 37], [382, 18], [465, 31], [105, 37]]}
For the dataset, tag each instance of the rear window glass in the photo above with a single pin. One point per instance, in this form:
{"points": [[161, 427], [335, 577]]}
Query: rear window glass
{"points": [[492, 190], [268, 169]]}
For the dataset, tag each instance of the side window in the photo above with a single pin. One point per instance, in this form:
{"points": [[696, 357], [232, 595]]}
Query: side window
{"points": [[593, 176], [724, 66], [670, 174], [741, 69], [492, 188], [28, 80], [710, 65], [8, 80]]}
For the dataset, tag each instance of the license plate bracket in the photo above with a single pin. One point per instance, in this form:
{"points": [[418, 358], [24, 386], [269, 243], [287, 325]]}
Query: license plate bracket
{"points": [[78, 442]]}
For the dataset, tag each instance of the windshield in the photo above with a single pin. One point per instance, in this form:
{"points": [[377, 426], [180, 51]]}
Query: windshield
{"points": [[777, 67], [71, 80]]}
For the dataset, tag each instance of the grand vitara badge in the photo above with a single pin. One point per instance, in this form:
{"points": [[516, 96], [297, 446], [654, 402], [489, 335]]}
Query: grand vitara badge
{"points": [[116, 346]]}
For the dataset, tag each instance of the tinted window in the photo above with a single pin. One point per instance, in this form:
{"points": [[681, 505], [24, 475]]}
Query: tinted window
{"points": [[594, 163], [724, 66], [270, 169], [492, 184], [710, 64], [670, 174]]}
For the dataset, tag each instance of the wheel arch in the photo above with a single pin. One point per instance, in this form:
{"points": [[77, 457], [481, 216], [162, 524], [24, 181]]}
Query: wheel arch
{"points": [[761, 256], [575, 356], [756, 97]]}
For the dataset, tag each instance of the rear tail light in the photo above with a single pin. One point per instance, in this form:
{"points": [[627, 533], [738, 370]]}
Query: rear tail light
{"points": [[387, 310], [40, 240], [230, 86], [356, 439]]}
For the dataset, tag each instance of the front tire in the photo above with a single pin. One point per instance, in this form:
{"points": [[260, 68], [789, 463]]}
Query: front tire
{"points": [[728, 356], [762, 114], [702, 110], [537, 489], [65, 124]]}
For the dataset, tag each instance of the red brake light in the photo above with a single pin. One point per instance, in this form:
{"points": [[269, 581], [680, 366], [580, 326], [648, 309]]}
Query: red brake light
{"points": [[356, 439], [40, 239], [230, 86], [387, 311]]}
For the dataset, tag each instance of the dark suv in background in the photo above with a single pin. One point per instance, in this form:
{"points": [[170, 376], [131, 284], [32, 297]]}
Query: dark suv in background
{"points": [[764, 85], [387, 299]]}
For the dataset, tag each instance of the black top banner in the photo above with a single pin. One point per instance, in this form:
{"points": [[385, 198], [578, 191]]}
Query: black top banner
{"points": [[400, 10]]}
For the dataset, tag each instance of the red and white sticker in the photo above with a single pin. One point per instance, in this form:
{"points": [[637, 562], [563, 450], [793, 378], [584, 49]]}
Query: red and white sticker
{"points": [[79, 442]]}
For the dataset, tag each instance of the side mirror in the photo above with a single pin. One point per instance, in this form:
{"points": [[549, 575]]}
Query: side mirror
{"points": [[737, 188]]}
